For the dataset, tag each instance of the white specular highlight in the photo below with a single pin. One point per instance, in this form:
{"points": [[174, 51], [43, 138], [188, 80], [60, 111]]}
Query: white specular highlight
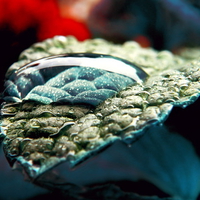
{"points": [[104, 63]]}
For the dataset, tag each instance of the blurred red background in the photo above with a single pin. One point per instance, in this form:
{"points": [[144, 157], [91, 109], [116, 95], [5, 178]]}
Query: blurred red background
{"points": [[49, 17]]}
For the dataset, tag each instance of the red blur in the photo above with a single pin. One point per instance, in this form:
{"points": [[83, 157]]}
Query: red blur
{"points": [[44, 15]]}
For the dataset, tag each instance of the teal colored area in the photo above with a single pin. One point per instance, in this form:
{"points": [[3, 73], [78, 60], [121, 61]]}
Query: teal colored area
{"points": [[100, 86], [78, 77], [74, 85]]}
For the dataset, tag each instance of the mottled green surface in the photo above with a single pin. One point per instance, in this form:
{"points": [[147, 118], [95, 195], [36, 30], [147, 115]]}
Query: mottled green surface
{"points": [[46, 134]]}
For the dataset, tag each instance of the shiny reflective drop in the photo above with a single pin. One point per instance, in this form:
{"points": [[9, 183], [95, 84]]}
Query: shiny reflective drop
{"points": [[75, 78]]}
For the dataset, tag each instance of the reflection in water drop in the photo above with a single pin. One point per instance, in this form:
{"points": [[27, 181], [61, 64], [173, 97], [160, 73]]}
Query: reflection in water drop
{"points": [[76, 78]]}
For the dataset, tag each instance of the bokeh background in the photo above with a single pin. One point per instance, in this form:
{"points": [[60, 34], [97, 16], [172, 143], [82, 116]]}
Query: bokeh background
{"points": [[163, 25]]}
